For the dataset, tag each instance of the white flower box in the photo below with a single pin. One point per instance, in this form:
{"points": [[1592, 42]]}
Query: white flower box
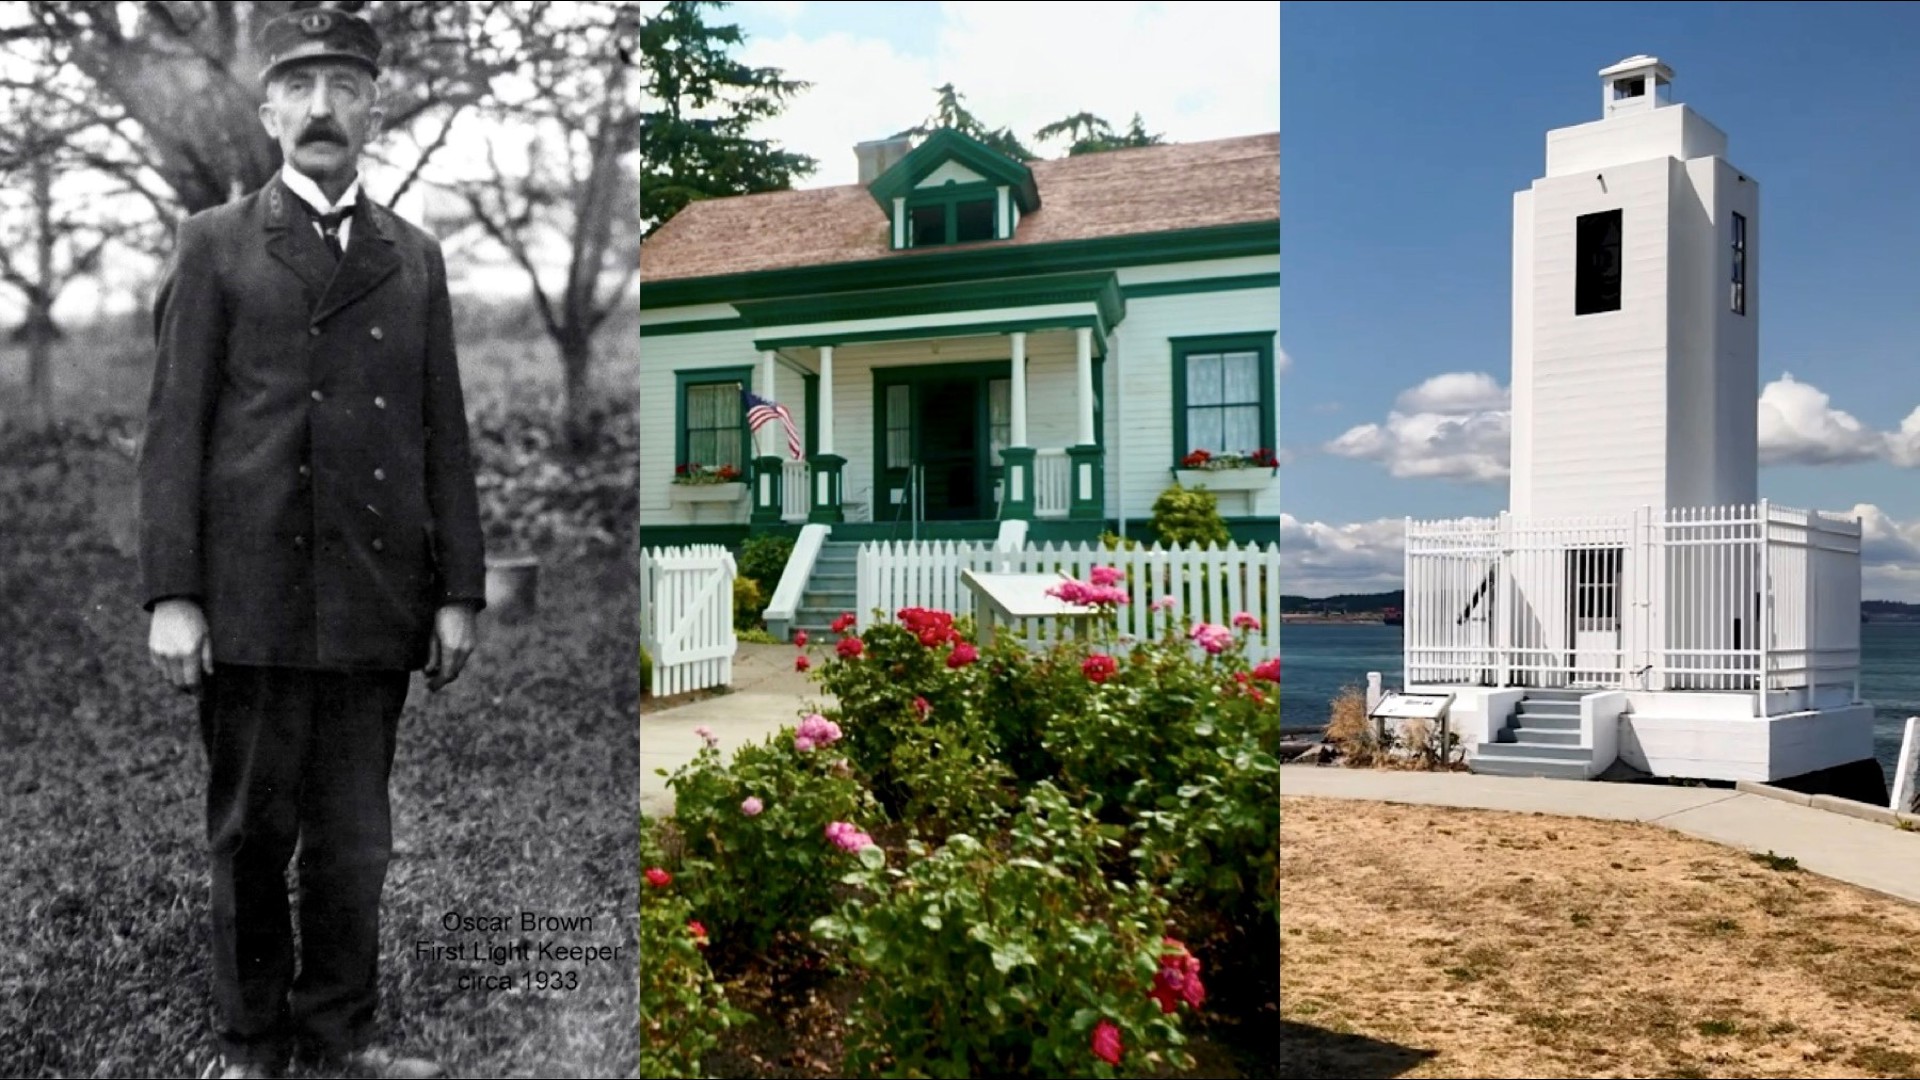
{"points": [[707, 493], [1252, 479]]}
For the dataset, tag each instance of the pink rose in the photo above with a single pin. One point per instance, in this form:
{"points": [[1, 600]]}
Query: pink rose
{"points": [[846, 837], [706, 735], [802, 744], [1165, 603], [1106, 575], [962, 655], [818, 731], [751, 806], [1212, 637], [1246, 620]]}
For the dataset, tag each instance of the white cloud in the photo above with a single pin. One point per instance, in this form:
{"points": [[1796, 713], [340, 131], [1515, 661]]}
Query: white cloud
{"points": [[1799, 425], [1322, 559], [1318, 559], [1455, 426], [1903, 446], [1026, 65], [1284, 361]]}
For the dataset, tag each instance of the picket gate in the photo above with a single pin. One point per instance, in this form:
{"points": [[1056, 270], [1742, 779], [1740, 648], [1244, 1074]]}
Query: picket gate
{"points": [[686, 617]]}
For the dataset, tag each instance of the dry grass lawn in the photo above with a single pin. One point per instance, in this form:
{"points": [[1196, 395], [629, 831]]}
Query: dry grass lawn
{"points": [[1422, 941]]}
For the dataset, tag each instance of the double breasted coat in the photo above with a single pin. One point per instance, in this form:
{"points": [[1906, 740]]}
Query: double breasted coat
{"points": [[306, 473]]}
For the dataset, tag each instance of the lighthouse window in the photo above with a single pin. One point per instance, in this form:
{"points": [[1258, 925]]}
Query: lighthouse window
{"points": [[1739, 264], [1596, 281], [1628, 88]]}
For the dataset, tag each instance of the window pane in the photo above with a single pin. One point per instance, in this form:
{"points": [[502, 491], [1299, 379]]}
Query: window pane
{"points": [[899, 449], [974, 220], [1203, 379], [700, 447], [1240, 378], [928, 224], [898, 416], [1203, 430], [1240, 429]]}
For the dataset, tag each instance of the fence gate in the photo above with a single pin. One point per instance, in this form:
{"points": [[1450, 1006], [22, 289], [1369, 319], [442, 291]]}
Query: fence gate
{"points": [[686, 617]]}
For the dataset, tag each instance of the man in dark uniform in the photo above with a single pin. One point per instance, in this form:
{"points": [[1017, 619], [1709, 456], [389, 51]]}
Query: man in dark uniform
{"points": [[309, 538]]}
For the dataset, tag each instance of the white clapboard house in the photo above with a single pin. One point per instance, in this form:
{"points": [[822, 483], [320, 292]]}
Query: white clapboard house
{"points": [[1639, 602], [962, 341]]}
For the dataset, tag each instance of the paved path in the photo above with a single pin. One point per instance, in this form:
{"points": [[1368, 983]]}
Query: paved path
{"points": [[767, 693], [1865, 853]]}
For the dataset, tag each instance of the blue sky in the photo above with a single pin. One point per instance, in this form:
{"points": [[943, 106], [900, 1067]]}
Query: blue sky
{"points": [[1408, 129]]}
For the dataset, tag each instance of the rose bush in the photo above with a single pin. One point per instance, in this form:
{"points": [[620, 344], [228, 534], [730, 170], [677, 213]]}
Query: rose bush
{"points": [[684, 1014], [1015, 960], [754, 857]]}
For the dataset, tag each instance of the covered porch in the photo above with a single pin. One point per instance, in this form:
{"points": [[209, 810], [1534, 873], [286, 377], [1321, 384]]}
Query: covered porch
{"points": [[929, 420]]}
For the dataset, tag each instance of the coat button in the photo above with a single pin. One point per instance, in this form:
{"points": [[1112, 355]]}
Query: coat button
{"points": [[318, 396], [379, 474], [313, 331], [377, 335], [306, 470], [379, 403], [300, 541], [378, 544]]}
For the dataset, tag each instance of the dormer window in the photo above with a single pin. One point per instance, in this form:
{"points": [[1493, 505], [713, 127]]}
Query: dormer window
{"points": [[953, 189]]}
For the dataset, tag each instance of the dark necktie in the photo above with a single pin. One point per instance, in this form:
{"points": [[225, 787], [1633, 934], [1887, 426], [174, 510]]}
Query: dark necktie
{"points": [[330, 229]]}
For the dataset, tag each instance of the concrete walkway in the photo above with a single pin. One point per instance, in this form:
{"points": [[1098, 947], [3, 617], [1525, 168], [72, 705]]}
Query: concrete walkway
{"points": [[767, 693], [1869, 854]]}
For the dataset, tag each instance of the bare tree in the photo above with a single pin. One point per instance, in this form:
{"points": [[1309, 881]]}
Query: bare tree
{"points": [[562, 200]]}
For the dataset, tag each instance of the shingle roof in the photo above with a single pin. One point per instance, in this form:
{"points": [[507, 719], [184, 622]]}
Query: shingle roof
{"points": [[1149, 189]]}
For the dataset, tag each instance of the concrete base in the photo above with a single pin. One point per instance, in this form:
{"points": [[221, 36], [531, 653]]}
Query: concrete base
{"points": [[1692, 735]]}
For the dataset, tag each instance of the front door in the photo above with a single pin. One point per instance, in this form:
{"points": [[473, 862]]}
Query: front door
{"points": [[1593, 579], [949, 422]]}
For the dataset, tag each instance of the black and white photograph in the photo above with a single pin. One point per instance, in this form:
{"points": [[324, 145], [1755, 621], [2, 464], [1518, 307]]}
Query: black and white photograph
{"points": [[318, 434]]}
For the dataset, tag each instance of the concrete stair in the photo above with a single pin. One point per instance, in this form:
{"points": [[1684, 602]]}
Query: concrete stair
{"points": [[832, 590], [1542, 739]]}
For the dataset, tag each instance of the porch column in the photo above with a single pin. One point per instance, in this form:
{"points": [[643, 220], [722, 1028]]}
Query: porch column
{"points": [[826, 464], [1089, 484], [766, 462], [1018, 456]]}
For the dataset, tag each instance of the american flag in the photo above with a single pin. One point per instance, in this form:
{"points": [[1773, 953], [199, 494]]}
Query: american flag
{"points": [[760, 412]]}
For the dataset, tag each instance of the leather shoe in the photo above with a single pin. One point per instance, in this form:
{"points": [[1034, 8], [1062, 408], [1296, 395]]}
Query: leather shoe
{"points": [[376, 1061]]}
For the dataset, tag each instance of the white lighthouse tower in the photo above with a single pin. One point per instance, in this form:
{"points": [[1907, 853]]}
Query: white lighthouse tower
{"points": [[1639, 602], [1635, 313]]}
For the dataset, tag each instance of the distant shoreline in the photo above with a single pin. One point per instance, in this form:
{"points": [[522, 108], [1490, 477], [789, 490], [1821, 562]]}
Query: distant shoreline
{"points": [[1371, 619]]}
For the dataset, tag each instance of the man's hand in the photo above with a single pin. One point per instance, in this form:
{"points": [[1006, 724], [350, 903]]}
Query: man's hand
{"points": [[454, 637], [178, 643]]}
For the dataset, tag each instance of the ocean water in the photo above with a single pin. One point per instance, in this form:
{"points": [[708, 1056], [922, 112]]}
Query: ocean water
{"points": [[1317, 661]]}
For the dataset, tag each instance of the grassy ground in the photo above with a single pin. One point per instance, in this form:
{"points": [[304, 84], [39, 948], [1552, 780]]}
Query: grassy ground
{"points": [[513, 791], [1432, 942]]}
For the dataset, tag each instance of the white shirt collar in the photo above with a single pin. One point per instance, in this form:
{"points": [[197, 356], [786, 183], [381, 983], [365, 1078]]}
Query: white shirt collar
{"points": [[302, 185]]}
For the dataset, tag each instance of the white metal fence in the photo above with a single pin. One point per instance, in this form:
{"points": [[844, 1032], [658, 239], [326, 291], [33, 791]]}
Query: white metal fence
{"points": [[1704, 598], [686, 617], [1207, 584]]}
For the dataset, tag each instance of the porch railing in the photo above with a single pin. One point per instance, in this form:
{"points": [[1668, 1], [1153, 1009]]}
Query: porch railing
{"points": [[1052, 482], [1732, 598], [795, 496]]}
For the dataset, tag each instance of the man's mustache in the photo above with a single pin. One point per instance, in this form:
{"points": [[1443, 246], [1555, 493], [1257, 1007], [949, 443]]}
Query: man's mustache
{"points": [[322, 132]]}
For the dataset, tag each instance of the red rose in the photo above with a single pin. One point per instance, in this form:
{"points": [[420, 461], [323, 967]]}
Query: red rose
{"points": [[658, 878], [800, 638], [850, 648]]}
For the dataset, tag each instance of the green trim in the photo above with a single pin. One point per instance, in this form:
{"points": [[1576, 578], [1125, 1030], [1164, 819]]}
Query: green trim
{"points": [[827, 510], [1148, 289], [970, 262], [667, 536], [1099, 289], [1260, 341], [947, 145], [694, 326], [979, 329], [811, 392], [682, 380]]}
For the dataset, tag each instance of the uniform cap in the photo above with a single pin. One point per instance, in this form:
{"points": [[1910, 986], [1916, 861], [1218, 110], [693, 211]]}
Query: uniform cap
{"points": [[318, 34]]}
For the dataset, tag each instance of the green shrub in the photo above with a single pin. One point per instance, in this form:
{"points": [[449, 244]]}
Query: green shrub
{"points": [[646, 672], [1189, 516], [683, 1011], [764, 558], [988, 963], [758, 870], [747, 603]]}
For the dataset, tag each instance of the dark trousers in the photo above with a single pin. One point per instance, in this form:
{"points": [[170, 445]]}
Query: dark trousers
{"points": [[297, 760]]}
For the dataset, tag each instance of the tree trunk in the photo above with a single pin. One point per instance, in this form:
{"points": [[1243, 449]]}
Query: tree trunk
{"points": [[39, 332], [576, 359]]}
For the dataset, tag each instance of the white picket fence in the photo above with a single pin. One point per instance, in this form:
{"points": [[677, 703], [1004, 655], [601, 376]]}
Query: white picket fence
{"points": [[686, 617], [1209, 584]]}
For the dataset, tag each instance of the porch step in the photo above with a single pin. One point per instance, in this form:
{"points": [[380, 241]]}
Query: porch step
{"points": [[1540, 736], [1573, 694], [1510, 747], [1524, 766], [1527, 718], [1550, 706]]}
